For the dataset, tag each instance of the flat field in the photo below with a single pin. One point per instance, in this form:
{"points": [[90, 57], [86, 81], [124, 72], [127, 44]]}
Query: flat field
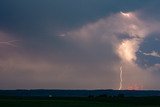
{"points": [[63, 103]]}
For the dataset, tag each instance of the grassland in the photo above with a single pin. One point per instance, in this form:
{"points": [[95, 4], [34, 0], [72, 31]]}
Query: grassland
{"points": [[64, 103]]}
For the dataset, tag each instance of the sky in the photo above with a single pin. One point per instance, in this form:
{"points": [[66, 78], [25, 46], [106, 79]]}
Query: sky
{"points": [[80, 44]]}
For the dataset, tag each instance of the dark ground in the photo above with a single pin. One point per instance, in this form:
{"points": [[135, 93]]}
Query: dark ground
{"points": [[79, 98], [91, 101]]}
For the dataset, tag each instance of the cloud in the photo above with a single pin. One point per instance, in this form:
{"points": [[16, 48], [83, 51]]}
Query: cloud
{"points": [[153, 53], [92, 43], [99, 49], [37, 73], [124, 33], [108, 31]]}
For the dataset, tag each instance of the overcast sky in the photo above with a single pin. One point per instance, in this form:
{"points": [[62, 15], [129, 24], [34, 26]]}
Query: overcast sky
{"points": [[79, 44]]}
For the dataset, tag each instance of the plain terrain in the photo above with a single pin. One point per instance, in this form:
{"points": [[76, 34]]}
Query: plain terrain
{"points": [[64, 103]]}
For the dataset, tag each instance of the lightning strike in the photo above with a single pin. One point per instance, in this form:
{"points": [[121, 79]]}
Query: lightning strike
{"points": [[126, 14], [121, 78], [9, 43]]}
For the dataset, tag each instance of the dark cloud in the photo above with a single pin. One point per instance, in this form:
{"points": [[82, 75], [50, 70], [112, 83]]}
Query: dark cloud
{"points": [[36, 16]]}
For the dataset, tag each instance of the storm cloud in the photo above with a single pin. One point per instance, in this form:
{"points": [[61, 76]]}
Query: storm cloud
{"points": [[78, 44]]}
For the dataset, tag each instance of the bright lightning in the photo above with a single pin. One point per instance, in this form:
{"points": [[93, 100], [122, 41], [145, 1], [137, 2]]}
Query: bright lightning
{"points": [[126, 14], [9, 43], [121, 78]]}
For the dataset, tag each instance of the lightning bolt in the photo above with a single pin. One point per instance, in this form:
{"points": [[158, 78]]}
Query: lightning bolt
{"points": [[9, 43], [121, 78]]}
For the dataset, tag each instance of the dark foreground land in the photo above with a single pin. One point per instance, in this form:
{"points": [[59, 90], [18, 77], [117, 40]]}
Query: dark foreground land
{"points": [[81, 102], [79, 98], [62, 103]]}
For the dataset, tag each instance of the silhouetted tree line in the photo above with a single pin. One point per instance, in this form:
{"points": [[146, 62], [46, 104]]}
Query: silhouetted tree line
{"points": [[106, 96]]}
